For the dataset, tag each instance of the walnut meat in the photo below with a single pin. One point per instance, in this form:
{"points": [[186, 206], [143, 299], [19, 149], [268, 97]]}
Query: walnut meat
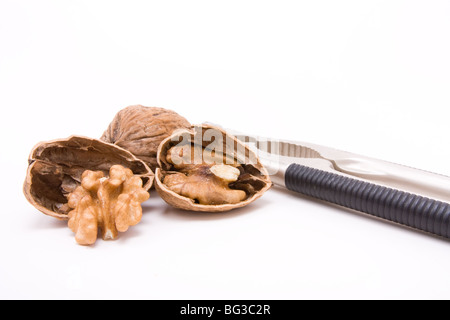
{"points": [[140, 130], [110, 204], [207, 184], [205, 169], [56, 167]]}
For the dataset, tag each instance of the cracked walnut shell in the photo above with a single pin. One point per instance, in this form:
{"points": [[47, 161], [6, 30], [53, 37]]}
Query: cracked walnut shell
{"points": [[205, 169], [110, 204], [56, 167], [140, 130]]}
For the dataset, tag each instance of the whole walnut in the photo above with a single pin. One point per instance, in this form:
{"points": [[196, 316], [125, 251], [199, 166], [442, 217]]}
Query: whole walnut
{"points": [[140, 130]]}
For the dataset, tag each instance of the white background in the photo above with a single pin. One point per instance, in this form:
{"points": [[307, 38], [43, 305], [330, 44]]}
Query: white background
{"points": [[370, 77]]}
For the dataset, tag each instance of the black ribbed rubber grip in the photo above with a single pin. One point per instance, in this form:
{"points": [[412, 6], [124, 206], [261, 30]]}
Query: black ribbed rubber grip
{"points": [[405, 208]]}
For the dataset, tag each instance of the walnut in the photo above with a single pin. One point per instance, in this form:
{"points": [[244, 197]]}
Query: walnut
{"points": [[110, 204], [207, 184], [56, 167], [140, 130], [204, 169]]}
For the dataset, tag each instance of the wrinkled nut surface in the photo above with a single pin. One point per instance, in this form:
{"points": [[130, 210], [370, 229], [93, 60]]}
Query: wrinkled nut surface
{"points": [[56, 167], [140, 130], [110, 204], [204, 169]]}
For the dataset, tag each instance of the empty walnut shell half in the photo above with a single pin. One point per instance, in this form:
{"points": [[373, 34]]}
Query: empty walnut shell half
{"points": [[140, 130], [56, 167], [205, 169]]}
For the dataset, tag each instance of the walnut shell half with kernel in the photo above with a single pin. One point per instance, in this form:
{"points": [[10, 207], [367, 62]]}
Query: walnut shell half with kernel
{"points": [[206, 169], [140, 130], [56, 167]]}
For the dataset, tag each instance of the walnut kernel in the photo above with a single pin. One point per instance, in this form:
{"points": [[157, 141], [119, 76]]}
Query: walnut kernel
{"points": [[110, 204]]}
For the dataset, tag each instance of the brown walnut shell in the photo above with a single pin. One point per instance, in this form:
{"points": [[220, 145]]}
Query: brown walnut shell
{"points": [[140, 130], [253, 178], [56, 167]]}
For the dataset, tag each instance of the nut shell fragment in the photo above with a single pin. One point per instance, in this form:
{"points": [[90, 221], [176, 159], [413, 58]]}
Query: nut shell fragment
{"points": [[211, 184], [56, 167], [140, 130]]}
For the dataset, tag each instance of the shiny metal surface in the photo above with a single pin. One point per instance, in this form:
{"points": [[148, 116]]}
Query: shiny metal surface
{"points": [[277, 155]]}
